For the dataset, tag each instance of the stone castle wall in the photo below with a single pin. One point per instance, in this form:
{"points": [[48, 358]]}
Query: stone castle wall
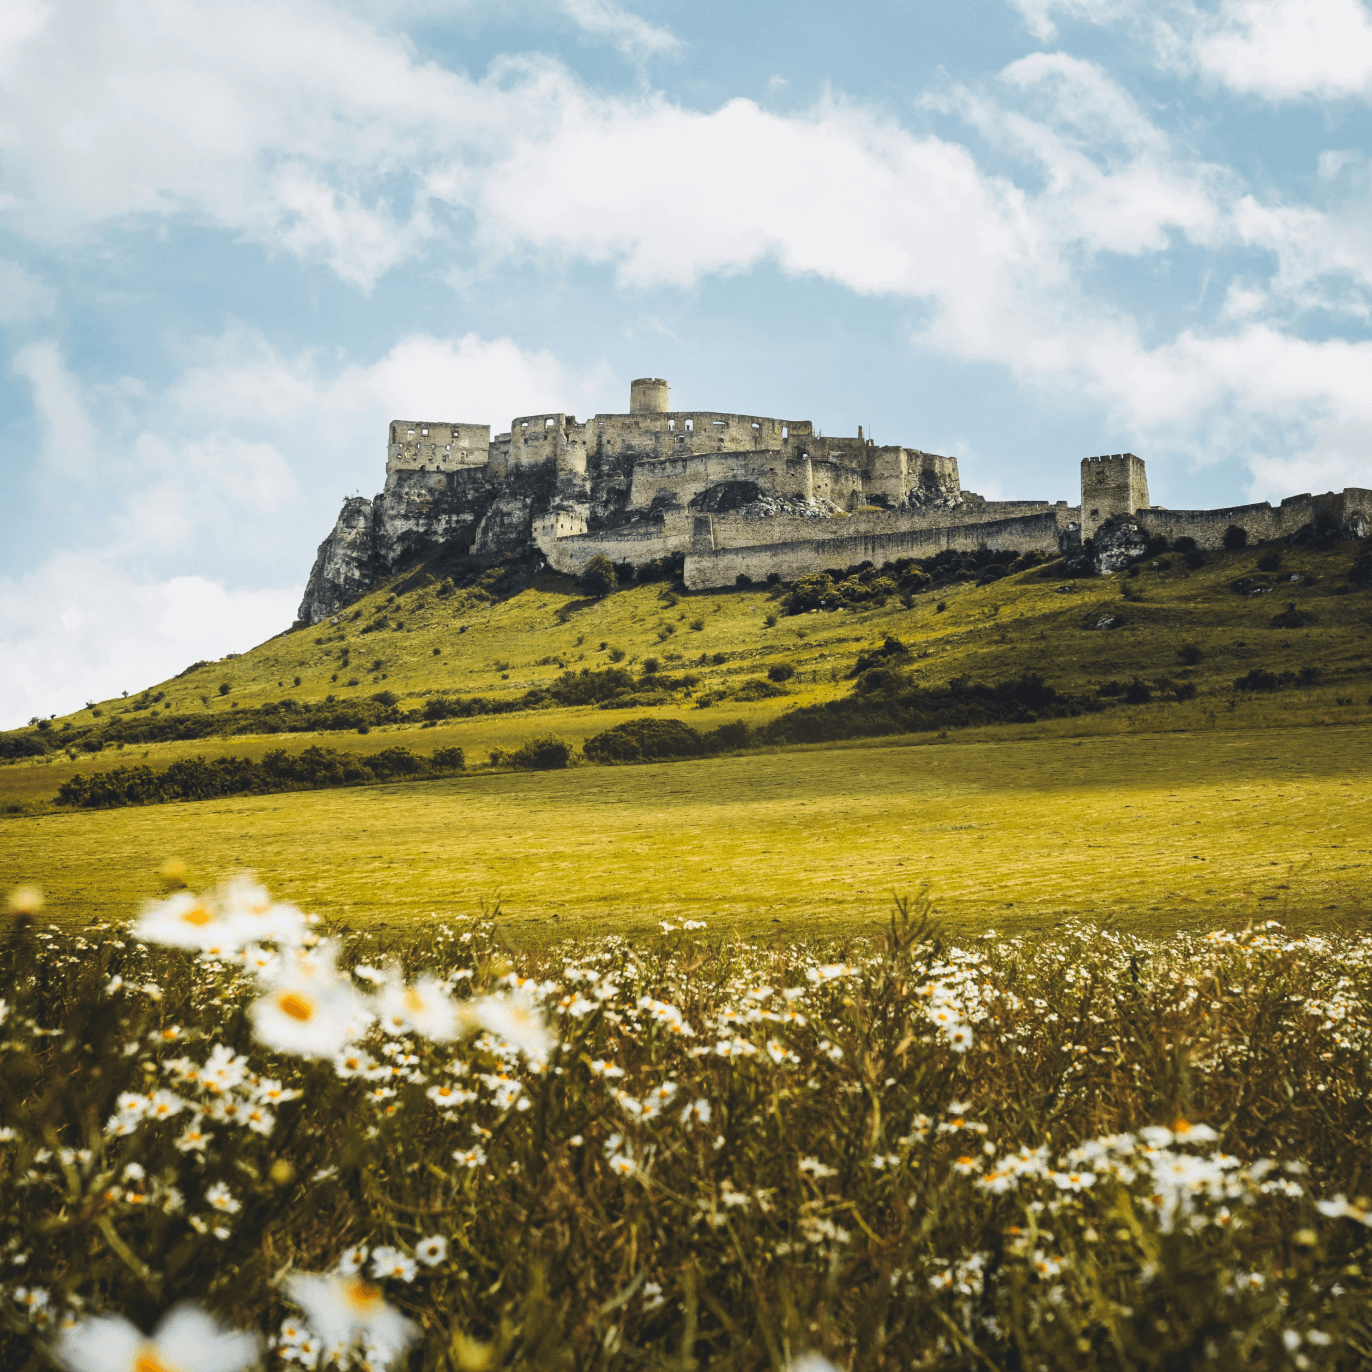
{"points": [[1351, 508], [622, 485], [708, 567]]}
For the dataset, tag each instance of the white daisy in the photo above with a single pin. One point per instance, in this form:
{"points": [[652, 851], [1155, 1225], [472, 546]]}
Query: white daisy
{"points": [[186, 1338], [344, 1309]]}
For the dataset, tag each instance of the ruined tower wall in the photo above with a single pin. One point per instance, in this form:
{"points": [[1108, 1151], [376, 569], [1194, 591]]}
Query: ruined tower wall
{"points": [[436, 446], [1112, 486]]}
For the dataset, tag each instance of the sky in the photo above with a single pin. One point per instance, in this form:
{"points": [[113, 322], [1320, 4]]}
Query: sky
{"points": [[235, 240]]}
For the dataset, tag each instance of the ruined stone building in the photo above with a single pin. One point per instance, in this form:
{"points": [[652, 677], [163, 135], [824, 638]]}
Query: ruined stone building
{"points": [[736, 495]]}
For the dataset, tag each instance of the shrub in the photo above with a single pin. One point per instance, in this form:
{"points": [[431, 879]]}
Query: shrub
{"points": [[1184, 544], [387, 698], [598, 577], [756, 689], [813, 592], [892, 649], [1137, 693], [364, 728], [1235, 538], [544, 754], [780, 671], [616, 655], [1190, 653], [697, 624], [297, 681], [1292, 618], [743, 579], [224, 688], [1195, 559], [650, 666], [729, 737], [770, 621], [1256, 680], [645, 740], [1270, 562]]}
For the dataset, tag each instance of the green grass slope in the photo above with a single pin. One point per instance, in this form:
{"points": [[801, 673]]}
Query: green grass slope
{"points": [[420, 640]]}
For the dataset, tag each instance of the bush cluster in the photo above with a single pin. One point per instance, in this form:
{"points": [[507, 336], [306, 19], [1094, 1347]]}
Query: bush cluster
{"points": [[202, 779]]}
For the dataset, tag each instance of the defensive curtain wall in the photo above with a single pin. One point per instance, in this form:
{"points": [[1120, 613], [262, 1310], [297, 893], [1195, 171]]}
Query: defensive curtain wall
{"points": [[738, 495]]}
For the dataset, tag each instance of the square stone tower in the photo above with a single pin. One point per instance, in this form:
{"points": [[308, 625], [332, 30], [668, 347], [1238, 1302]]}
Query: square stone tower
{"points": [[1112, 486]]}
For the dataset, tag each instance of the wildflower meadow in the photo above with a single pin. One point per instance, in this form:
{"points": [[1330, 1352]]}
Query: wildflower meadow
{"points": [[234, 1136]]}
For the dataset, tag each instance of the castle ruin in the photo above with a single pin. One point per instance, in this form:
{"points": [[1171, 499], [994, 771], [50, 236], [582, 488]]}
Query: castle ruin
{"points": [[735, 495]]}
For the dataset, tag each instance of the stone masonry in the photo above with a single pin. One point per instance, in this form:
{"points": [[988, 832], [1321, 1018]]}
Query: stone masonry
{"points": [[736, 495]]}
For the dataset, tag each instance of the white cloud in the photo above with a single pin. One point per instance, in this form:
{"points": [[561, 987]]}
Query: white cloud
{"points": [[286, 121], [1039, 15], [254, 473], [69, 444], [475, 380], [81, 628], [1276, 49], [1285, 49], [1007, 271], [22, 294], [635, 37]]}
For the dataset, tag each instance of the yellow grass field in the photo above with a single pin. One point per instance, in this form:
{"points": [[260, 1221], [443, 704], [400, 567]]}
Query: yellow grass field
{"points": [[1209, 828]]}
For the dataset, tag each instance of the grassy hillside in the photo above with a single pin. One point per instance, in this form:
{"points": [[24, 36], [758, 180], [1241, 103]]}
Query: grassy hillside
{"points": [[1177, 629]]}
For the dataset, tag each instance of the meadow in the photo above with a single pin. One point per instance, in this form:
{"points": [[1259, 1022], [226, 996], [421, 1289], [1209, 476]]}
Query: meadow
{"points": [[233, 1136], [1154, 832]]}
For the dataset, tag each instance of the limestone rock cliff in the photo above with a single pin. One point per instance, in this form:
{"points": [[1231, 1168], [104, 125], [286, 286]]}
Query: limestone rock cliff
{"points": [[345, 566]]}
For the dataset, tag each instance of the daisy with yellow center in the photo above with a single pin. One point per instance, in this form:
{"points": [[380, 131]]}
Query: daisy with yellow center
{"points": [[342, 1309], [187, 1340]]}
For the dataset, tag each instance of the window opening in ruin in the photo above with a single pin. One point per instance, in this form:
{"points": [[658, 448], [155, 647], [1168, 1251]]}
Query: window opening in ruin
{"points": [[756, 425], [671, 425], [409, 433], [524, 424], [424, 432], [548, 423], [690, 425], [720, 423], [783, 431]]}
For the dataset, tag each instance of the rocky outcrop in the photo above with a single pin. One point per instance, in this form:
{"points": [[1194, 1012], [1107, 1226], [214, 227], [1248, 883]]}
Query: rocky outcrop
{"points": [[345, 566], [1117, 546]]}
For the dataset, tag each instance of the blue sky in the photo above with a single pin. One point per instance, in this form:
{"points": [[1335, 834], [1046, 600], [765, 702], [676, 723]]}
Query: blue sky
{"points": [[235, 240]]}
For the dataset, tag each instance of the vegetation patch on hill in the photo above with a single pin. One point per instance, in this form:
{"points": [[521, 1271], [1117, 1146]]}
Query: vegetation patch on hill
{"points": [[202, 779]]}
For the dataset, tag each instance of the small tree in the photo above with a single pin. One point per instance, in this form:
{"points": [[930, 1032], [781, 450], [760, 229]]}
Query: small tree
{"points": [[598, 576]]}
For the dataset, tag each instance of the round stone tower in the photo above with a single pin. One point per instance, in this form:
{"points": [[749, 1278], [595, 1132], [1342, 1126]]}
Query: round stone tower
{"points": [[648, 395]]}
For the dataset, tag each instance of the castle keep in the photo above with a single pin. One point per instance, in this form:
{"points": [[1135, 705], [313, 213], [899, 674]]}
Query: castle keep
{"points": [[735, 495]]}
